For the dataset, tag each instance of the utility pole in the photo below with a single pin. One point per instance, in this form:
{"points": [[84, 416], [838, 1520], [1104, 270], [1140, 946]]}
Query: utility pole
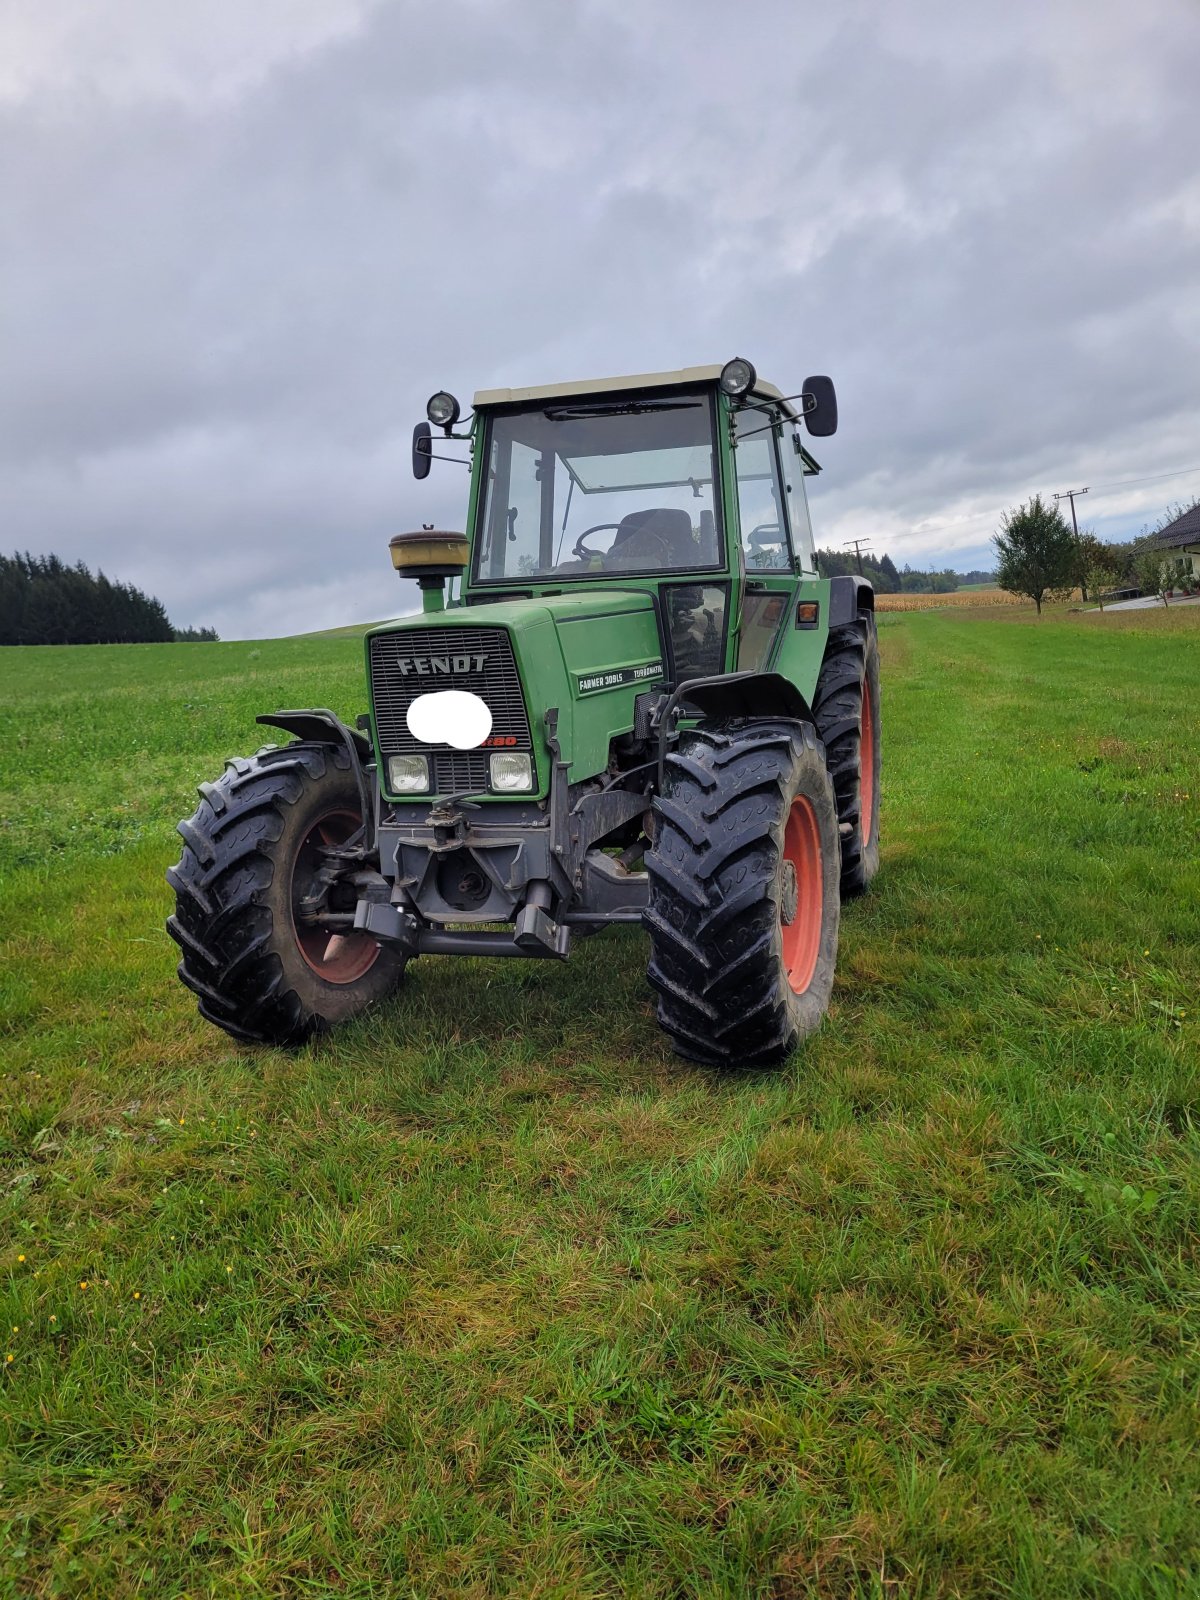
{"points": [[858, 544], [1069, 494]]}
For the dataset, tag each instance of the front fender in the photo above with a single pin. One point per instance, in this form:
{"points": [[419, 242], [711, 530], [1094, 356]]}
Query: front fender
{"points": [[323, 727], [732, 694], [745, 694]]}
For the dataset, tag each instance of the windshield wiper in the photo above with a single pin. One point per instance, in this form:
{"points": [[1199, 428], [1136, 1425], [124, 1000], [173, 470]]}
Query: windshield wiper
{"points": [[616, 408]]}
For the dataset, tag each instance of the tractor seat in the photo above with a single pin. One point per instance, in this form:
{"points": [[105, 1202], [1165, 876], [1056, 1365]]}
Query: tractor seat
{"points": [[657, 537]]}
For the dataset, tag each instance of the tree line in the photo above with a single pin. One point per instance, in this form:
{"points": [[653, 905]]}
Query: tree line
{"points": [[887, 579], [1039, 555], [43, 600]]}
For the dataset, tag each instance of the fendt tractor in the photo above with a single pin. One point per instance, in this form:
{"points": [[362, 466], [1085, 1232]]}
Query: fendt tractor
{"points": [[629, 697]]}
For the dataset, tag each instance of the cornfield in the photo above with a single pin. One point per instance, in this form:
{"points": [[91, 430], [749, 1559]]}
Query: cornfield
{"points": [[959, 597]]}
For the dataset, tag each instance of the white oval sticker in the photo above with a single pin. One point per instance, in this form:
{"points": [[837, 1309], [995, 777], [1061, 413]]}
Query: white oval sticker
{"points": [[451, 716]]}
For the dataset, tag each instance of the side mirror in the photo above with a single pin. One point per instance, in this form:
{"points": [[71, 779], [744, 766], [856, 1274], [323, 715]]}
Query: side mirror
{"points": [[821, 415], [422, 451]]}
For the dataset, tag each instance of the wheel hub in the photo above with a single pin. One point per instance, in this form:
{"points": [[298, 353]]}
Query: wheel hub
{"points": [[788, 895], [337, 956]]}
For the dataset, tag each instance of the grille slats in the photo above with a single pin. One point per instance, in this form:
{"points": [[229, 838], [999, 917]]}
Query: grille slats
{"points": [[498, 684]]}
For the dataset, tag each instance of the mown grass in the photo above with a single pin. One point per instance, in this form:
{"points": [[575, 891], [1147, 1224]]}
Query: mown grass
{"points": [[489, 1294]]}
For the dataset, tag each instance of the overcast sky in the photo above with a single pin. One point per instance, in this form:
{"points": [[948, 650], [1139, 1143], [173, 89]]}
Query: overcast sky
{"points": [[241, 244]]}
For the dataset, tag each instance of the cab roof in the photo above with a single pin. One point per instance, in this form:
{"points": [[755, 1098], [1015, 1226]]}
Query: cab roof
{"points": [[636, 380]]}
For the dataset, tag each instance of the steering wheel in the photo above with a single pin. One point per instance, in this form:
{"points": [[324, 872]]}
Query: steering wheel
{"points": [[581, 551]]}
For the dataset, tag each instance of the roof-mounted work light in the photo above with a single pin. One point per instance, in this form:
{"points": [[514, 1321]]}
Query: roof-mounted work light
{"points": [[442, 409], [738, 377]]}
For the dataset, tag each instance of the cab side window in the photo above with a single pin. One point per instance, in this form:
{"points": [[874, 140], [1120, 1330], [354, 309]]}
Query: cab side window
{"points": [[797, 500], [761, 503]]}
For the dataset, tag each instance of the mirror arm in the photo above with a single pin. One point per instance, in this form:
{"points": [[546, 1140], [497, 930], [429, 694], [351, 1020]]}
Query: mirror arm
{"points": [[807, 406]]}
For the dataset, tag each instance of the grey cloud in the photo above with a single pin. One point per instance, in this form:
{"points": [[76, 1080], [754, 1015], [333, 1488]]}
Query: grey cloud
{"points": [[229, 289]]}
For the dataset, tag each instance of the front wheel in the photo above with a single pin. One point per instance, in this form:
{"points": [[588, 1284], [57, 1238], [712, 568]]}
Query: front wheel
{"points": [[261, 970], [744, 903]]}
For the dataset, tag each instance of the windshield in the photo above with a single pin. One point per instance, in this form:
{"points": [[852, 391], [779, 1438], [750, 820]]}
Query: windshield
{"points": [[599, 486]]}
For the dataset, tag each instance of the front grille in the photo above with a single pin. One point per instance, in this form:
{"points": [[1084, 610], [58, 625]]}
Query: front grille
{"points": [[498, 684]]}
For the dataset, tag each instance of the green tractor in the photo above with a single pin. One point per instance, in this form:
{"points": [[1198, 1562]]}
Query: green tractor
{"points": [[629, 698]]}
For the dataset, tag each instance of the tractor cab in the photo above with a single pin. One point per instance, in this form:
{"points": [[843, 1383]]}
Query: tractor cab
{"points": [[686, 485]]}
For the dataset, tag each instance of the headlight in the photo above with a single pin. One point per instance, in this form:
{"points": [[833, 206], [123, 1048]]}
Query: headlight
{"points": [[738, 377], [512, 772], [442, 409], [408, 775]]}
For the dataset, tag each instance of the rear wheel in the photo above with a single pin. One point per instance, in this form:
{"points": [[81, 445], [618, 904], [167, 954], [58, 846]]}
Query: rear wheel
{"points": [[846, 708], [744, 905], [252, 851]]}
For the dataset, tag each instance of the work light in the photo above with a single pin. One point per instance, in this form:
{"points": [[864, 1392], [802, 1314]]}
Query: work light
{"points": [[512, 772], [737, 378], [408, 775], [442, 409]]}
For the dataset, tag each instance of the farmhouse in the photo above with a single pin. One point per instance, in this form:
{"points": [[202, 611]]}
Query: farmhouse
{"points": [[1182, 536]]}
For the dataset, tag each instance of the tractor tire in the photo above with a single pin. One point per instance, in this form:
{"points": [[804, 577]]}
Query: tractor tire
{"points": [[846, 708], [250, 852], [744, 907]]}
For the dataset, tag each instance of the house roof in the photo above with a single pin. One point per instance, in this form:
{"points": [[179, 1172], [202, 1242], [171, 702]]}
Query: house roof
{"points": [[1185, 530]]}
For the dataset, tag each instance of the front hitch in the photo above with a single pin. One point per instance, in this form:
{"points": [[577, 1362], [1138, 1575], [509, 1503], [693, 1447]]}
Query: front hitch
{"points": [[535, 933]]}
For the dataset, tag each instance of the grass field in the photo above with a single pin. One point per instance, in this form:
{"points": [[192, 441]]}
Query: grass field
{"points": [[489, 1294]]}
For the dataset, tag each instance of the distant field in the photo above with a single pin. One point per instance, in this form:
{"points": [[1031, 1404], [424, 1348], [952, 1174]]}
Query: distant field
{"points": [[490, 1295], [972, 595]]}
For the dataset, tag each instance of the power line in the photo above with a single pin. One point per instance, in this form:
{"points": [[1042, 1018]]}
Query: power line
{"points": [[982, 517], [1122, 483]]}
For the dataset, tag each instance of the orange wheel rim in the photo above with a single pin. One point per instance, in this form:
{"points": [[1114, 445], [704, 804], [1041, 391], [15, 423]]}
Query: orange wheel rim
{"points": [[801, 914], [866, 766], [337, 957]]}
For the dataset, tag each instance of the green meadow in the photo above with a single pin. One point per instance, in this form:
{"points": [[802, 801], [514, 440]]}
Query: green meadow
{"points": [[489, 1294]]}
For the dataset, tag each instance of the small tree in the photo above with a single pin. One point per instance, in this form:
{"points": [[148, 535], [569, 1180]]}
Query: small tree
{"points": [[1121, 558], [1096, 570], [1091, 556], [1098, 578], [1036, 552], [1158, 571]]}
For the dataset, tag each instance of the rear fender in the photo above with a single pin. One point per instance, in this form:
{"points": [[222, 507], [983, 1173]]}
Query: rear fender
{"points": [[848, 597]]}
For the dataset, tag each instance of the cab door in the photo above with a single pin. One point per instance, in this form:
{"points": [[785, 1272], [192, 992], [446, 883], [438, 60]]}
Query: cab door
{"points": [[770, 562]]}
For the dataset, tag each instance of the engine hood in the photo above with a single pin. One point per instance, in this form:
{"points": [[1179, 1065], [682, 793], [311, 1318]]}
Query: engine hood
{"points": [[583, 656], [543, 611]]}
